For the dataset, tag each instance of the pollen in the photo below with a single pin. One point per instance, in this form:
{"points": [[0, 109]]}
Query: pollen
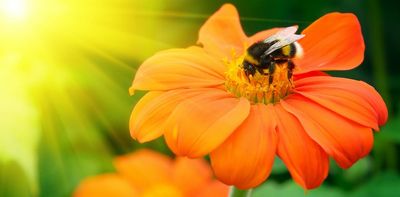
{"points": [[257, 88]]}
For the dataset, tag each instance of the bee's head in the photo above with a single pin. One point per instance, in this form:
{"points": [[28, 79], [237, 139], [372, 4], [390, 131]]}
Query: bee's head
{"points": [[248, 68]]}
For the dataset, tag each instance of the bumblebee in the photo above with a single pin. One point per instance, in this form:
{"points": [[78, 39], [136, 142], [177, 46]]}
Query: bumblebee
{"points": [[278, 49]]}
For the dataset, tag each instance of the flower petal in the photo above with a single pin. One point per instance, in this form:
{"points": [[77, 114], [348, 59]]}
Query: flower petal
{"points": [[200, 124], [214, 188], [179, 68], [196, 170], [151, 112], [333, 42], [309, 74], [306, 161], [352, 99], [245, 159], [222, 33], [104, 186], [163, 189], [136, 122], [342, 139], [144, 168]]}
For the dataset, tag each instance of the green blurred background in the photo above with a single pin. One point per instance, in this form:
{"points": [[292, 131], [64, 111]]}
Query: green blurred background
{"points": [[66, 66]]}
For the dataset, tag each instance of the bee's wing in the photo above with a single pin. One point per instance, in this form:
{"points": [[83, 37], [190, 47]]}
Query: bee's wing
{"points": [[282, 33], [284, 37]]}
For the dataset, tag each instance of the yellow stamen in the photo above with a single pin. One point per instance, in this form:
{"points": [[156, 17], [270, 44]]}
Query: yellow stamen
{"points": [[257, 88]]}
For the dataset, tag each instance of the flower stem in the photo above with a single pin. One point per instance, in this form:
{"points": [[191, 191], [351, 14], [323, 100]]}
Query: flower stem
{"points": [[235, 192]]}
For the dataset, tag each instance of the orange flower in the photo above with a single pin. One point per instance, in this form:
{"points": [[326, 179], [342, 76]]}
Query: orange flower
{"points": [[202, 103], [149, 174]]}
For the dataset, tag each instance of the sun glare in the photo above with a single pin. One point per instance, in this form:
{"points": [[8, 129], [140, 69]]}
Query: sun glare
{"points": [[14, 9], [62, 59]]}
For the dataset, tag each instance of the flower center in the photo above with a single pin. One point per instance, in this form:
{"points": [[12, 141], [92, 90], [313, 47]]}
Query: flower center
{"points": [[258, 88]]}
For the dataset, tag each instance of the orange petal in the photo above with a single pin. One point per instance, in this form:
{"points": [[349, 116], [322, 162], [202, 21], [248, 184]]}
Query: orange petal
{"points": [[245, 159], [104, 186], [151, 112], [343, 102], [222, 33], [213, 189], [196, 170], [179, 68], [144, 168], [136, 124], [341, 138], [333, 42], [262, 35], [361, 100], [200, 124], [309, 74], [164, 190], [306, 161]]}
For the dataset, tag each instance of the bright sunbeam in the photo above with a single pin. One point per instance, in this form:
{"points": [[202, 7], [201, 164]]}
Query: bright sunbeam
{"points": [[64, 71], [14, 9]]}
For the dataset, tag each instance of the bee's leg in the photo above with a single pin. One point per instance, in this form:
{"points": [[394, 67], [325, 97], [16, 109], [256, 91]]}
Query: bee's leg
{"points": [[260, 70], [271, 69], [265, 61], [290, 69]]}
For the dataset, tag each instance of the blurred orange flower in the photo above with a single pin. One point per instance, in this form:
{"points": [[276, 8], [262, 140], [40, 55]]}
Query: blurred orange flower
{"points": [[149, 174], [200, 101]]}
